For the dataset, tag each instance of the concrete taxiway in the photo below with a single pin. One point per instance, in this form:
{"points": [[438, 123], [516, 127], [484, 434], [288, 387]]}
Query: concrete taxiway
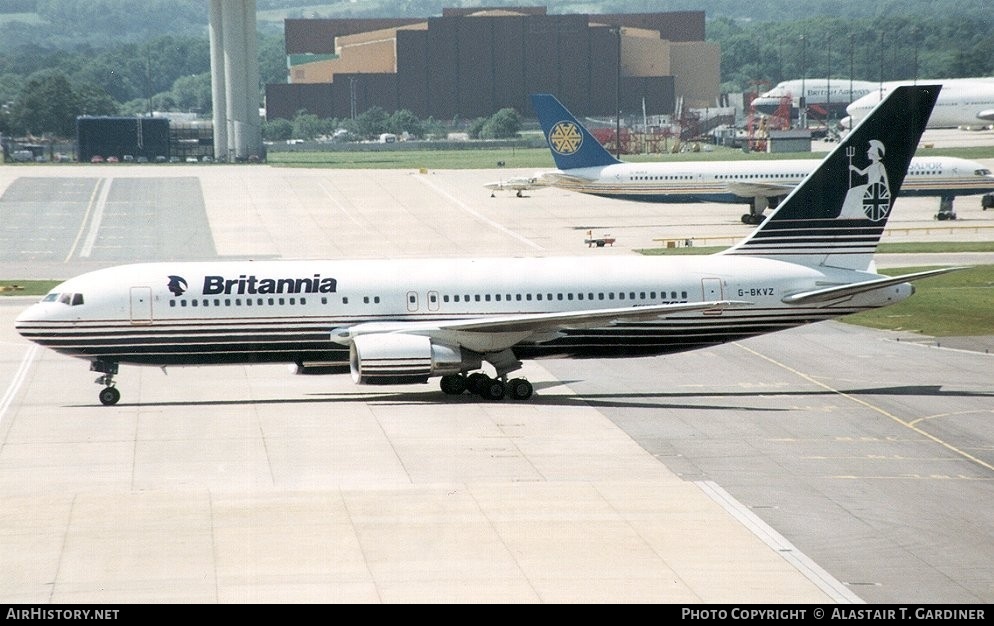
{"points": [[826, 464]]}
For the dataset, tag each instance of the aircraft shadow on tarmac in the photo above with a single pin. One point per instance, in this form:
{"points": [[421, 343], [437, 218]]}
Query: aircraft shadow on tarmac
{"points": [[640, 400]]}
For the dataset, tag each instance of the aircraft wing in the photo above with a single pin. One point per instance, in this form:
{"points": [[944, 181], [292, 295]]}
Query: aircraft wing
{"points": [[562, 178], [759, 189], [492, 333], [516, 184], [842, 291]]}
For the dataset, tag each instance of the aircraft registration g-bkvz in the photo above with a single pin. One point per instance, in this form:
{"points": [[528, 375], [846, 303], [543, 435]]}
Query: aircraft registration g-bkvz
{"points": [[585, 166], [407, 321]]}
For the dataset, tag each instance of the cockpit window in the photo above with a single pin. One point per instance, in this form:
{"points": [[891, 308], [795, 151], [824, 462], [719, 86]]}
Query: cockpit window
{"points": [[71, 299], [983, 172]]}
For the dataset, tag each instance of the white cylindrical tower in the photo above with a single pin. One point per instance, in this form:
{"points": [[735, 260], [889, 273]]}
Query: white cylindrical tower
{"points": [[235, 79]]}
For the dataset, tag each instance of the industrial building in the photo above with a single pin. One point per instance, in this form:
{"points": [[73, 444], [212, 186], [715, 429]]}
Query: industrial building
{"points": [[150, 139], [473, 62]]}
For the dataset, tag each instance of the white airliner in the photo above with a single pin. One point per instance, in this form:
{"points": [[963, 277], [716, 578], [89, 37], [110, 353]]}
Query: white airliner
{"points": [[822, 95], [964, 103], [517, 184], [406, 321], [585, 166]]}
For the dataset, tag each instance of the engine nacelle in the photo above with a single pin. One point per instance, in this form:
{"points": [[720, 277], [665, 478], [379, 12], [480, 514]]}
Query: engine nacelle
{"points": [[389, 359]]}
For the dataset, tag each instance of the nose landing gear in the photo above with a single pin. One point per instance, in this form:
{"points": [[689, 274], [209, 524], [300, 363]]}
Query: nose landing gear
{"points": [[109, 395]]}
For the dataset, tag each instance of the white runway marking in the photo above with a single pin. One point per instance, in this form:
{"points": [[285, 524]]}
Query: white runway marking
{"points": [[91, 220], [822, 579], [17, 381]]}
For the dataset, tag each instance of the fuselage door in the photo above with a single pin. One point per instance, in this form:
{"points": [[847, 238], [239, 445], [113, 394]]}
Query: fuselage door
{"points": [[432, 300], [141, 305], [712, 288], [412, 301]]}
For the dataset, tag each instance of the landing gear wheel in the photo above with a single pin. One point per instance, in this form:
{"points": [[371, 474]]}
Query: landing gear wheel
{"points": [[109, 396], [494, 390], [519, 389], [453, 384], [476, 382]]}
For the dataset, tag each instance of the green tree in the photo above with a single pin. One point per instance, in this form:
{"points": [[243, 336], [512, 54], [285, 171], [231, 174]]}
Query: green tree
{"points": [[47, 104], [372, 123], [307, 126], [193, 93], [404, 121], [93, 100], [475, 129], [277, 130], [503, 124]]}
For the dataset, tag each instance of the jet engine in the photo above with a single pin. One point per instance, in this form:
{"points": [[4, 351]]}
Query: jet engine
{"points": [[389, 359]]}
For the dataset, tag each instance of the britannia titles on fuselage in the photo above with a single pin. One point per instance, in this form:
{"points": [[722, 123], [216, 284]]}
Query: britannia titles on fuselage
{"points": [[251, 284]]}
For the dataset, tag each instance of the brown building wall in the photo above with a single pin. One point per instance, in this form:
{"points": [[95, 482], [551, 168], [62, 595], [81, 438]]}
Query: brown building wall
{"points": [[475, 59], [285, 100], [317, 36], [413, 64], [474, 66], [696, 67], [510, 61], [672, 26]]}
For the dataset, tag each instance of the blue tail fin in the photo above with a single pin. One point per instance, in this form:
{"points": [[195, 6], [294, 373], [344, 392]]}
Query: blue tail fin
{"points": [[836, 216], [572, 145]]}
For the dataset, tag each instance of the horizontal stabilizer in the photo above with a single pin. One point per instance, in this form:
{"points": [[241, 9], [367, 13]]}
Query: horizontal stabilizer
{"points": [[842, 291]]}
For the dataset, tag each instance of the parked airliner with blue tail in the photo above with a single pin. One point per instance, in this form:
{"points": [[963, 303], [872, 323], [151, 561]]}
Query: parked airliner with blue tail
{"points": [[585, 166], [410, 320]]}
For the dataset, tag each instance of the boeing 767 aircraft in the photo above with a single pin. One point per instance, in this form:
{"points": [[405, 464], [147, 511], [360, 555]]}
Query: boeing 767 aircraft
{"points": [[407, 321]]}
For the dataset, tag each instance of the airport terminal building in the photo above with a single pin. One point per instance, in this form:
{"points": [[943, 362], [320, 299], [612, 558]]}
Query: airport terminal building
{"points": [[473, 62]]}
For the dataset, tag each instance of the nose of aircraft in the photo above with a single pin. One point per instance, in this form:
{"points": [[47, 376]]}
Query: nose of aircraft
{"points": [[26, 323]]}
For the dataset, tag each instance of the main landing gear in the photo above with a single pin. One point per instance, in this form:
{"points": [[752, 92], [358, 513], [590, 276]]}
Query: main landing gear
{"points": [[946, 211], [756, 208], [487, 388], [109, 395]]}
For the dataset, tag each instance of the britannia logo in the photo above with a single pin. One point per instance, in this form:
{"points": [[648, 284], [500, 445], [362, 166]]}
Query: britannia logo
{"points": [[565, 138], [872, 200], [177, 285]]}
